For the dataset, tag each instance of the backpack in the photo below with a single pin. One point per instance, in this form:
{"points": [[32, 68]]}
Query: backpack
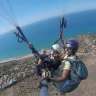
{"points": [[79, 70]]}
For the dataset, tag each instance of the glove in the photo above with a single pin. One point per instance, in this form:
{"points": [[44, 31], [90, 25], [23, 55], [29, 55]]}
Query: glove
{"points": [[30, 46], [47, 79]]}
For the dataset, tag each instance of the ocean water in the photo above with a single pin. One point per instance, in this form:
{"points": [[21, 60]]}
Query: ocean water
{"points": [[44, 33]]}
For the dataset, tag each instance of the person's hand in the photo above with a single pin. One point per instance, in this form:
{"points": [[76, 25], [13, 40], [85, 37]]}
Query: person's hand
{"points": [[45, 76], [30, 46], [40, 61], [47, 79]]}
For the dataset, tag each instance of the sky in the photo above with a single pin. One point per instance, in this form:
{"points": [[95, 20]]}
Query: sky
{"points": [[30, 11]]}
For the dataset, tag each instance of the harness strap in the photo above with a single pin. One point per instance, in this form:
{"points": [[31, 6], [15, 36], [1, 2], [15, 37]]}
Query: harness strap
{"points": [[72, 61]]}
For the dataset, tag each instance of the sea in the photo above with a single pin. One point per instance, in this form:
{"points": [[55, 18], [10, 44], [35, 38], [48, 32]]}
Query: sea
{"points": [[43, 34]]}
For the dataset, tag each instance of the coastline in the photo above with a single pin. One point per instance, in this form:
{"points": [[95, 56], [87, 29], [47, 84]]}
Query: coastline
{"points": [[81, 37], [22, 57], [16, 58]]}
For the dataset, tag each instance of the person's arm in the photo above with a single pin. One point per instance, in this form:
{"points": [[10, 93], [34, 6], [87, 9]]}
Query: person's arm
{"points": [[63, 78], [65, 73], [40, 62]]}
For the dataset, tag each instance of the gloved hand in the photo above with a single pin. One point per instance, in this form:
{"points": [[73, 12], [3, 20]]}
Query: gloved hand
{"points": [[47, 79], [45, 76], [30, 46]]}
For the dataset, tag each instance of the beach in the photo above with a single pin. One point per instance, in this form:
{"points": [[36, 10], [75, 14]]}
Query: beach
{"points": [[16, 58]]}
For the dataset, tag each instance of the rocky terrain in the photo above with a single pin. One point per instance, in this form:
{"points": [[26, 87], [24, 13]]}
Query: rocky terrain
{"points": [[27, 85]]}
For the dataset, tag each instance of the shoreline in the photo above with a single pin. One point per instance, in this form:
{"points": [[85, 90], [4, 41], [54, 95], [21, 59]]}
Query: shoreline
{"points": [[16, 58], [21, 57]]}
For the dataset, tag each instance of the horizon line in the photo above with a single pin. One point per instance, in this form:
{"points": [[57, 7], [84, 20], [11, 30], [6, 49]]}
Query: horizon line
{"points": [[45, 19]]}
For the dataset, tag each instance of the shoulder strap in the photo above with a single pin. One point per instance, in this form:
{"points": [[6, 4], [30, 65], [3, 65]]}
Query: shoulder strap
{"points": [[71, 62]]}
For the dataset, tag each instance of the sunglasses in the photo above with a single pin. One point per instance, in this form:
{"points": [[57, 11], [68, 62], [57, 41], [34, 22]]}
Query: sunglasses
{"points": [[69, 48], [55, 51]]}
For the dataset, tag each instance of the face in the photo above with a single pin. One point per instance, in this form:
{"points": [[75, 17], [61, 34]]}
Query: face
{"points": [[68, 49], [43, 51], [53, 53]]}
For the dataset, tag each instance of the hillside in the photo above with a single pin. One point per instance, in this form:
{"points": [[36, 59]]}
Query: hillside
{"points": [[29, 86]]}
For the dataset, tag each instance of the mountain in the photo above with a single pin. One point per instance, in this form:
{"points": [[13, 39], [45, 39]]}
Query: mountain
{"points": [[29, 85]]}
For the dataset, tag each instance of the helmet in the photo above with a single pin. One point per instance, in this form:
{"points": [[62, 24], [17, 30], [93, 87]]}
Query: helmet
{"points": [[57, 47], [74, 43]]}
